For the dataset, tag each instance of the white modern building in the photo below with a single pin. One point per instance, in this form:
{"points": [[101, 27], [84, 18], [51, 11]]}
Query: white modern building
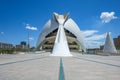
{"points": [[60, 34]]}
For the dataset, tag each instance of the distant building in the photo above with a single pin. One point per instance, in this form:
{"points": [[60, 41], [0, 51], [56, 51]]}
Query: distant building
{"points": [[93, 50], [117, 42], [23, 44], [5, 45], [19, 46], [101, 47]]}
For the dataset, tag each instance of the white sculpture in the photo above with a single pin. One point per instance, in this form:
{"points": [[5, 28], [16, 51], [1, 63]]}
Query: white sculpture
{"points": [[109, 46], [61, 46]]}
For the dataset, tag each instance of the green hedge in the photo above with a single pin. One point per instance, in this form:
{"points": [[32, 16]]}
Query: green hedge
{"points": [[6, 51], [118, 48], [12, 50]]}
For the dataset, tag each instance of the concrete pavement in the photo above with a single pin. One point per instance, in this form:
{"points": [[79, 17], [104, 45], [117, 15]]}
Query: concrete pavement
{"points": [[45, 67]]}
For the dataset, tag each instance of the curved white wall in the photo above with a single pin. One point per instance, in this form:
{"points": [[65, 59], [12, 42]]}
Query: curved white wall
{"points": [[70, 25]]}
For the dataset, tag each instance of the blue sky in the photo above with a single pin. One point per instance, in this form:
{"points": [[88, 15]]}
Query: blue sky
{"points": [[94, 17]]}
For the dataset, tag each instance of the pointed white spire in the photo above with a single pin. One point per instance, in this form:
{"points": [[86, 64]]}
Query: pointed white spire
{"points": [[109, 46], [60, 47]]}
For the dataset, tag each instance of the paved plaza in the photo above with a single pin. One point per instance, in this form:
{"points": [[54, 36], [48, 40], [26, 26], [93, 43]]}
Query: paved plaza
{"points": [[45, 67]]}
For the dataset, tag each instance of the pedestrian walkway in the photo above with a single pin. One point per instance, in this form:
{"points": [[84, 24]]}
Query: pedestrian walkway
{"points": [[46, 67]]}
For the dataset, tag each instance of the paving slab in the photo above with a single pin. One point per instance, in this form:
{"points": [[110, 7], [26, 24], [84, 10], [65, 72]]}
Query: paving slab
{"points": [[46, 67], [91, 67], [42, 68]]}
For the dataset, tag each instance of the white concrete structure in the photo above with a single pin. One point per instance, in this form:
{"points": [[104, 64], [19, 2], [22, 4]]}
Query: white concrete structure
{"points": [[109, 46], [61, 34], [61, 46]]}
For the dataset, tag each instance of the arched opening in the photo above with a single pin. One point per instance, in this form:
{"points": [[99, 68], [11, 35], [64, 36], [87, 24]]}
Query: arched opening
{"points": [[50, 39]]}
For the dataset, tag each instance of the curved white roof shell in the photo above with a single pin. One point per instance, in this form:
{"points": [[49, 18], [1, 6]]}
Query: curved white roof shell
{"points": [[69, 25]]}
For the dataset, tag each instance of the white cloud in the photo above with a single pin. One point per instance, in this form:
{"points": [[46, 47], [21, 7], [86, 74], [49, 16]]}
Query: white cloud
{"points": [[94, 44], [96, 37], [30, 27], [92, 39], [106, 17], [1, 32], [31, 38], [88, 32]]}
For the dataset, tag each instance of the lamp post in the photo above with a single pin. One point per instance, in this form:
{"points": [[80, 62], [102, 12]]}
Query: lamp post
{"points": [[28, 42]]}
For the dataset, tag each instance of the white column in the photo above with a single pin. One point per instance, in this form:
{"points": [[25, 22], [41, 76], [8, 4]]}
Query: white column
{"points": [[61, 46]]}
